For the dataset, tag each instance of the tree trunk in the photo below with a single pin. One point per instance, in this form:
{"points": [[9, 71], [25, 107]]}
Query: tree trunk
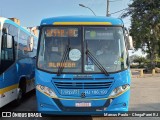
{"points": [[152, 61]]}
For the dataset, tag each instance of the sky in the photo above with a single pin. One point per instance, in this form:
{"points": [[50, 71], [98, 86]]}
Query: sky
{"points": [[31, 12]]}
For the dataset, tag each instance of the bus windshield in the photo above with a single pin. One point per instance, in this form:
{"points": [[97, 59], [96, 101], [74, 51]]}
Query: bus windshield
{"points": [[66, 47]]}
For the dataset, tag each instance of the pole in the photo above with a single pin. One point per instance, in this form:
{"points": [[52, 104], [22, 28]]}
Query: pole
{"points": [[107, 8], [91, 10], [87, 8]]}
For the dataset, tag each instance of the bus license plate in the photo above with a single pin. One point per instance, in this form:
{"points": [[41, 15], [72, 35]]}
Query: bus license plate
{"points": [[83, 104]]}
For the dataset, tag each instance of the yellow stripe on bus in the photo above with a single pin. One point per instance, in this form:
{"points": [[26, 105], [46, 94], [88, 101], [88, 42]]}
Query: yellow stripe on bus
{"points": [[82, 23], [6, 89]]}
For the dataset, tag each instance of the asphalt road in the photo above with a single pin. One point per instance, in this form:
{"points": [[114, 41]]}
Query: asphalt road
{"points": [[145, 96]]}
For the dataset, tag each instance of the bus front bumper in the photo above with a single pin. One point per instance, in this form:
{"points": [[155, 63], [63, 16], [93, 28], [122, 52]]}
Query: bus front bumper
{"points": [[47, 105]]}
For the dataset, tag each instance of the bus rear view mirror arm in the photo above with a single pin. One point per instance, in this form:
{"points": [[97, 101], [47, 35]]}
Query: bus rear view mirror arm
{"points": [[130, 43], [129, 40]]}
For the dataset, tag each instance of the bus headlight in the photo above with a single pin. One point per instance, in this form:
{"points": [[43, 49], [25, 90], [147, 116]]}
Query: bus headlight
{"points": [[46, 90], [119, 90]]}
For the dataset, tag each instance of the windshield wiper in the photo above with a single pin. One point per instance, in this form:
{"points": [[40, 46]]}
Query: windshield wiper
{"points": [[95, 61], [64, 58]]}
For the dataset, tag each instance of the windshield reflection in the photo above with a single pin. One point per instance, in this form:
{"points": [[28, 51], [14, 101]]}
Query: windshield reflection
{"points": [[106, 44], [54, 42]]}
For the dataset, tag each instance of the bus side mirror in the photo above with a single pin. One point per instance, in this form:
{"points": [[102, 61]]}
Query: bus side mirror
{"points": [[7, 38], [128, 39], [30, 44], [9, 41], [130, 43]]}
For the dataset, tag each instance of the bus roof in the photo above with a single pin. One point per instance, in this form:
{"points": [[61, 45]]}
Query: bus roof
{"points": [[82, 20], [6, 20]]}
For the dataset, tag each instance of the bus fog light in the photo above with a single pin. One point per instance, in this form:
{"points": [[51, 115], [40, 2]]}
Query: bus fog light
{"points": [[46, 90], [119, 90]]}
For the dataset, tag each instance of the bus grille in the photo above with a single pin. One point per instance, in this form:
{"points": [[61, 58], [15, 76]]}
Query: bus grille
{"points": [[83, 85]]}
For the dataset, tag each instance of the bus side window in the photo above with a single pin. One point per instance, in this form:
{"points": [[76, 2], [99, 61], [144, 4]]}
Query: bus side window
{"points": [[7, 54]]}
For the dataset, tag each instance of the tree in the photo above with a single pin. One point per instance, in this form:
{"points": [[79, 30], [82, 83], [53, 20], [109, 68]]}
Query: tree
{"points": [[145, 26], [139, 60]]}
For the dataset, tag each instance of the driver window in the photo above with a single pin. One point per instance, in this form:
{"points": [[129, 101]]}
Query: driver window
{"points": [[7, 54]]}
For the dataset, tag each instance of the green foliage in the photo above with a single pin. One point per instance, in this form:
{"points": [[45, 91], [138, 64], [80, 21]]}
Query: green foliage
{"points": [[139, 59], [143, 62], [145, 26]]}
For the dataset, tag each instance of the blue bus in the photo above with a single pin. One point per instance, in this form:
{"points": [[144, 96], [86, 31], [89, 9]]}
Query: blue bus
{"points": [[82, 66], [18, 49]]}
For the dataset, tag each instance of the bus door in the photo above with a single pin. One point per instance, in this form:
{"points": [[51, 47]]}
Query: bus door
{"points": [[8, 69]]}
